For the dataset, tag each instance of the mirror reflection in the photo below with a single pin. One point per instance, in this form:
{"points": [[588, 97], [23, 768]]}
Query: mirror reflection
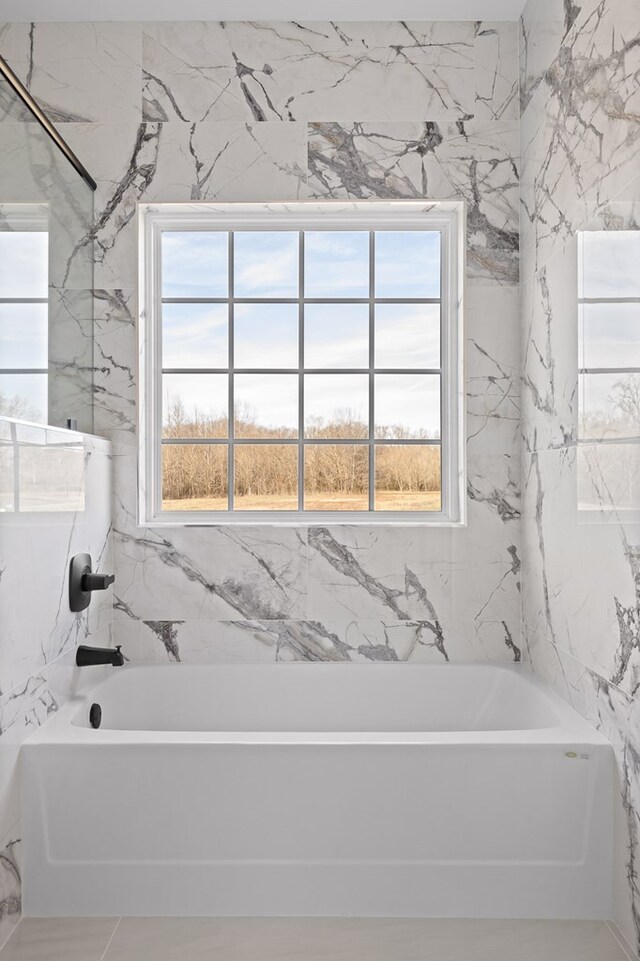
{"points": [[608, 370]]}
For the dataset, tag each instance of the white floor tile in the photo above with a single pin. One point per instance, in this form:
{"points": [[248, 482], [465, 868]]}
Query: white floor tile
{"points": [[59, 939], [326, 939]]}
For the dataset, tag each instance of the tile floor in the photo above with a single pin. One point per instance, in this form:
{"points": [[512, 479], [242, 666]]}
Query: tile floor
{"points": [[309, 939]]}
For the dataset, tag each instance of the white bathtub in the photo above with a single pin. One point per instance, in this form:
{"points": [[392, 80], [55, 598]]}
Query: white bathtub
{"points": [[318, 789]]}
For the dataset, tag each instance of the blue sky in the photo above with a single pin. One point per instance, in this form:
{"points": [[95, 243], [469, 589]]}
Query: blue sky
{"points": [[609, 335], [336, 336], [24, 263], [195, 264], [407, 263], [266, 335], [336, 263], [24, 335], [608, 263], [195, 335]]}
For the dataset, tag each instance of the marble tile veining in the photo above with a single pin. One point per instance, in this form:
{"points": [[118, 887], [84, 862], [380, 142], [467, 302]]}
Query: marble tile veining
{"points": [[173, 112], [60, 487], [307, 71], [580, 133]]}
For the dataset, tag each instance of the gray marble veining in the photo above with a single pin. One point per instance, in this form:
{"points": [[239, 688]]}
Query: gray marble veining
{"points": [[64, 486], [175, 112], [10, 887], [307, 71], [580, 134]]}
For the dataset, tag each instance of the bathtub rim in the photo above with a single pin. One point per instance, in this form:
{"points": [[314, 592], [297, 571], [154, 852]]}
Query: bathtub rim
{"points": [[571, 730]]}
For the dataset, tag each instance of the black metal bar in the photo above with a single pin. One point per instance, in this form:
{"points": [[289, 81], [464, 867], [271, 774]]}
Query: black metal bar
{"points": [[21, 91]]}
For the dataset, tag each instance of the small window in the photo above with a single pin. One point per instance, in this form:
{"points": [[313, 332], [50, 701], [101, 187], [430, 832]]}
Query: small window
{"points": [[301, 362]]}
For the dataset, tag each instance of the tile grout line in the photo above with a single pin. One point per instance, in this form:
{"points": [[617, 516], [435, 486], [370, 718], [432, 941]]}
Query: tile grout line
{"points": [[113, 934], [622, 941]]}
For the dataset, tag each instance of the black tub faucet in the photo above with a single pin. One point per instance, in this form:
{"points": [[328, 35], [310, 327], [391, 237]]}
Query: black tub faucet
{"points": [[90, 656]]}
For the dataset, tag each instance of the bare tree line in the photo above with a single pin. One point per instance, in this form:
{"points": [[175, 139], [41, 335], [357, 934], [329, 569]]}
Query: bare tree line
{"points": [[621, 415], [192, 471]]}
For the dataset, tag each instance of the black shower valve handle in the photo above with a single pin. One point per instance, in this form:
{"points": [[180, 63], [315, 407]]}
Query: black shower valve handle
{"points": [[83, 582], [97, 582]]}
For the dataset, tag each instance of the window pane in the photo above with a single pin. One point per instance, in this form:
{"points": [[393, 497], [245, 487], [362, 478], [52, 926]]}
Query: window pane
{"points": [[195, 335], [336, 263], [194, 405], [266, 405], [195, 263], [407, 263], [407, 406], [266, 477], [24, 335], [336, 405], [608, 266], [24, 263], [610, 335], [24, 396], [194, 477], [408, 478], [266, 335], [336, 335], [266, 263], [608, 476], [336, 477], [609, 405], [407, 335]]}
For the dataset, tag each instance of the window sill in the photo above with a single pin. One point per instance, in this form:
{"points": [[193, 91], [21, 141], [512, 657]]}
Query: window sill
{"points": [[288, 519]]}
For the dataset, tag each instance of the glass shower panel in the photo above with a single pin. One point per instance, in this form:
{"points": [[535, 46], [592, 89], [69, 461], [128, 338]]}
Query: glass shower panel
{"points": [[46, 274]]}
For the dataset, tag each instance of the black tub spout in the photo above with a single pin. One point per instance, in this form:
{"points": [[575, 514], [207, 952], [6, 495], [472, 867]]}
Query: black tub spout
{"points": [[90, 656]]}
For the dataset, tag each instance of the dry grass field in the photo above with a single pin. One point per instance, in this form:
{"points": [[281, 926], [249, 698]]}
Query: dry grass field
{"points": [[339, 501], [336, 476]]}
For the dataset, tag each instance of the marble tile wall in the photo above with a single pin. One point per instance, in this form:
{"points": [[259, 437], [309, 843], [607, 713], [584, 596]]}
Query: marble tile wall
{"points": [[286, 111], [581, 575], [55, 494]]}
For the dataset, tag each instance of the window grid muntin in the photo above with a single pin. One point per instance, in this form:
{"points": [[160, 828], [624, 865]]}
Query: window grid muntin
{"points": [[300, 368], [231, 420], [372, 442], [372, 410]]}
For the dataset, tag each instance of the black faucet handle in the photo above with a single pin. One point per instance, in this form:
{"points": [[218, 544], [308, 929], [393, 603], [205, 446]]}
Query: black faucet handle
{"points": [[97, 582]]}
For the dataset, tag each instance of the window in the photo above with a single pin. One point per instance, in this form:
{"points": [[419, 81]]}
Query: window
{"points": [[300, 361], [608, 369], [24, 292]]}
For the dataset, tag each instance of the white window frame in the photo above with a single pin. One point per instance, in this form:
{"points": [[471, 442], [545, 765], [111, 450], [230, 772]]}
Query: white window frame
{"points": [[446, 217]]}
